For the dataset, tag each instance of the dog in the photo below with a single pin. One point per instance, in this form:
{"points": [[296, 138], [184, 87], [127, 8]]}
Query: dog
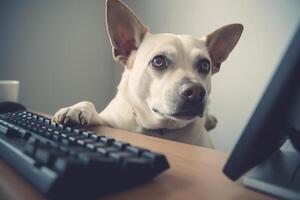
{"points": [[166, 82]]}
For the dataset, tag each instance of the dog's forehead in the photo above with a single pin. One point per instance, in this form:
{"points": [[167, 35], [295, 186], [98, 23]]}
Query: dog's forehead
{"points": [[174, 44], [190, 41], [194, 46]]}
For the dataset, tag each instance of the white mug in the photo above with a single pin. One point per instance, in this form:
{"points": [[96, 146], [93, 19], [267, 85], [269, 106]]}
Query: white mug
{"points": [[9, 90]]}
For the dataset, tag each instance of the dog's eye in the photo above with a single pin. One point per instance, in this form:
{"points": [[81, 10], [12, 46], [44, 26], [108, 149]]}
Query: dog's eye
{"points": [[159, 62], [203, 66]]}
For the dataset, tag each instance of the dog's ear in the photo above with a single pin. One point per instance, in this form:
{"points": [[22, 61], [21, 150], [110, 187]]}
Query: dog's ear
{"points": [[125, 30], [221, 42]]}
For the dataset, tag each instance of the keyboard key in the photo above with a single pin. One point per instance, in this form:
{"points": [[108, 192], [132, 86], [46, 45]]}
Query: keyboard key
{"points": [[8, 131], [87, 133], [107, 149], [61, 126], [41, 119], [92, 158], [137, 151], [3, 129], [47, 155], [94, 146], [24, 134], [31, 146], [56, 137], [66, 134], [50, 130], [120, 145], [28, 126], [54, 125], [99, 166], [119, 156], [76, 137], [56, 133], [84, 142], [47, 121], [96, 137], [3, 117], [159, 161], [103, 151], [69, 129], [68, 142], [76, 150], [64, 149], [63, 164], [47, 134], [107, 140], [40, 132], [151, 156], [138, 165], [135, 161], [77, 131]]}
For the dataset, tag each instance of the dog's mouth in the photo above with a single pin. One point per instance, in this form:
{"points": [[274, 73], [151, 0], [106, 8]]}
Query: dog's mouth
{"points": [[182, 115]]}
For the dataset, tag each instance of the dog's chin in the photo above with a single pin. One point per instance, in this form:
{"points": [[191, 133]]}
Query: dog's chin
{"points": [[180, 115]]}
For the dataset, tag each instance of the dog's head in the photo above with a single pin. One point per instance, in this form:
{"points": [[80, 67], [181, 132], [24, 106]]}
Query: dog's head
{"points": [[168, 75]]}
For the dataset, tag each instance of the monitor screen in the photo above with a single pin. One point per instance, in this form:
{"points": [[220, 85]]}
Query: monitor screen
{"points": [[273, 117]]}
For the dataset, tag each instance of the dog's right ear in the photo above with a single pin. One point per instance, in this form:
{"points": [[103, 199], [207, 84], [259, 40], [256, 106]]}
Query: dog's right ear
{"points": [[221, 42], [125, 30]]}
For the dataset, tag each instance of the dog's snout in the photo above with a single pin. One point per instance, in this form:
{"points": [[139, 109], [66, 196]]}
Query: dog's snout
{"points": [[192, 92]]}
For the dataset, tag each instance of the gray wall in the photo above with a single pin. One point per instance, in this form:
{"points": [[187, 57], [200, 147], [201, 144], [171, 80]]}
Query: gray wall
{"points": [[60, 52]]}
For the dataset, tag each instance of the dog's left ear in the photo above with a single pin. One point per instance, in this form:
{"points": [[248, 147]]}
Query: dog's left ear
{"points": [[125, 30], [221, 42]]}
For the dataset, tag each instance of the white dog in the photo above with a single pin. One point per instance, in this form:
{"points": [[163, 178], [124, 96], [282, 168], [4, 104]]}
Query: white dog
{"points": [[166, 80]]}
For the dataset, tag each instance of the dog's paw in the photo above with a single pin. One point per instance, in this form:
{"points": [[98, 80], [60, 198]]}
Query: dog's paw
{"points": [[79, 114], [210, 122]]}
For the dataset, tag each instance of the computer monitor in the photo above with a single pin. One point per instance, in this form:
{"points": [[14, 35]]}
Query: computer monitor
{"points": [[276, 117]]}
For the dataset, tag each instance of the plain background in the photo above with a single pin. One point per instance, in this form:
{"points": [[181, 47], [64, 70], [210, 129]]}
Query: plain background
{"points": [[59, 50]]}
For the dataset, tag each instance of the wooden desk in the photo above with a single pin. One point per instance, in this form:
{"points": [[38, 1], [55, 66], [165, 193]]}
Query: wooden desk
{"points": [[195, 173]]}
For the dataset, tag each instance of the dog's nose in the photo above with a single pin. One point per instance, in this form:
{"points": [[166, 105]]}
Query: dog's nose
{"points": [[192, 92]]}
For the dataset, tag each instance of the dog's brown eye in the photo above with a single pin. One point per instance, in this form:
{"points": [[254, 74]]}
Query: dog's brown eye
{"points": [[159, 62], [203, 66]]}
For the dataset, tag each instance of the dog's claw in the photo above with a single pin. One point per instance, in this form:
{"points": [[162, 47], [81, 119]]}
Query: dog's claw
{"points": [[84, 122], [78, 114], [67, 119]]}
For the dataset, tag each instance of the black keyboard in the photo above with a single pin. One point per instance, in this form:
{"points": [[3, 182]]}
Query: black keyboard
{"points": [[69, 163]]}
